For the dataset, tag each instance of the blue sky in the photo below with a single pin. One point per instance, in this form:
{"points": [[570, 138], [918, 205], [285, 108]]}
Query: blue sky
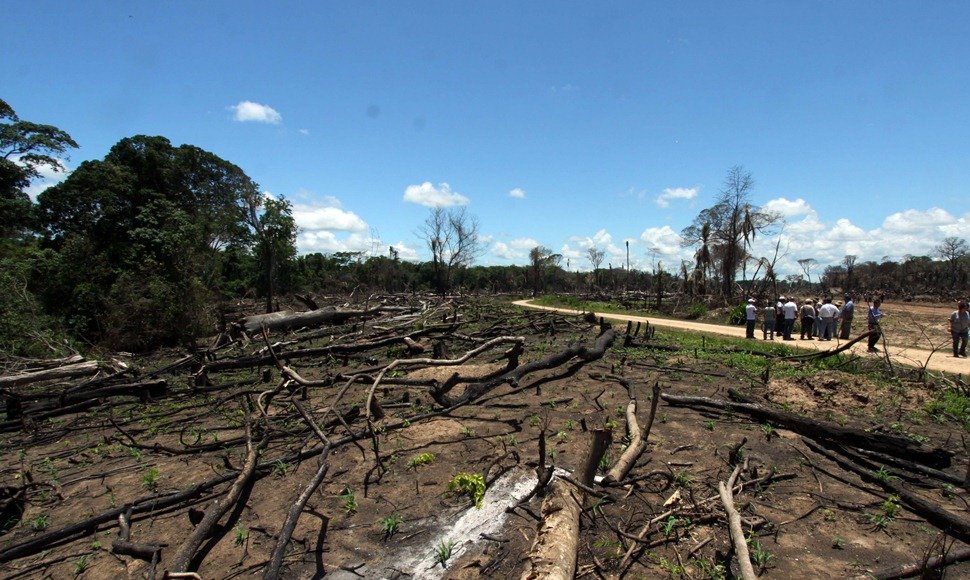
{"points": [[565, 124]]}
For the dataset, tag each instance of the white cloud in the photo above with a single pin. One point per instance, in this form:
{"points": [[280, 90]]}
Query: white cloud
{"points": [[304, 131], [517, 193], [912, 221], [428, 195], [502, 250], [523, 243], [327, 218], [663, 200], [664, 241], [259, 113], [328, 242], [788, 208]]}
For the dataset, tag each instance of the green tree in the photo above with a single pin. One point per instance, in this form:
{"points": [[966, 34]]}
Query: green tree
{"points": [[541, 261], [25, 149], [274, 238], [154, 226]]}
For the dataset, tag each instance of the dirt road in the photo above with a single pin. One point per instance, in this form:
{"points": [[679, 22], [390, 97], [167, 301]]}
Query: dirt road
{"points": [[940, 361]]}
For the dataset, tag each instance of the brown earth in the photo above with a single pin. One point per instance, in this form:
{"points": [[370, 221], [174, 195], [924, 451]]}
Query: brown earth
{"points": [[822, 522]]}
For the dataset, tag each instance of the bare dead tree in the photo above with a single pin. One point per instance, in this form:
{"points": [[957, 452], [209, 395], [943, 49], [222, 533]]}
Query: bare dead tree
{"points": [[452, 237]]}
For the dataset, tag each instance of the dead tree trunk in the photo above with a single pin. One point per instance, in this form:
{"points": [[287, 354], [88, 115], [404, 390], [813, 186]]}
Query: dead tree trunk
{"points": [[553, 554]]}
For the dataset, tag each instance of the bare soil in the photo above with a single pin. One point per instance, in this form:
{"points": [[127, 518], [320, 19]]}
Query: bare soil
{"points": [[392, 517]]}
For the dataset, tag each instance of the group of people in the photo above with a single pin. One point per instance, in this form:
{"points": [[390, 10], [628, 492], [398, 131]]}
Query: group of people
{"points": [[822, 319]]}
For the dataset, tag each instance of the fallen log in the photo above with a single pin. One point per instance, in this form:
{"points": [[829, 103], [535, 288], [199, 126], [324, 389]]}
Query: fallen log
{"points": [[553, 555], [921, 568], [818, 429], [65, 372], [288, 320]]}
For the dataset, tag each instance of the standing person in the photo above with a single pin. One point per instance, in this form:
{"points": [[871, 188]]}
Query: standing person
{"points": [[846, 316], [960, 329], [780, 316], [807, 315], [750, 317], [827, 313], [768, 324], [791, 312], [875, 316]]}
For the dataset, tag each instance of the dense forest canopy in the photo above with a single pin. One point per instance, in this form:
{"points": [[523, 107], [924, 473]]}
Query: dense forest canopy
{"points": [[139, 249]]}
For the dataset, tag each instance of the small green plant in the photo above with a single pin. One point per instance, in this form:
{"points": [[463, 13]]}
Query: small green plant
{"points": [[150, 480], [47, 467], [281, 468], [883, 474], [605, 461], [684, 478], [570, 425], [838, 543], [39, 523], [511, 440], [611, 424], [890, 509], [81, 565], [442, 553], [534, 420], [668, 527], [390, 525], [769, 431], [349, 501], [709, 424], [759, 555], [240, 534], [470, 484], [133, 452], [422, 459], [710, 569], [664, 416], [467, 431], [562, 436], [96, 545]]}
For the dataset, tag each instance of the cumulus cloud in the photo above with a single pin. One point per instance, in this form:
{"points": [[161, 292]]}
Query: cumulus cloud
{"points": [[663, 240], [663, 200], [516, 250], [517, 193], [255, 112], [806, 235], [327, 242], [787, 208], [428, 195], [327, 218]]}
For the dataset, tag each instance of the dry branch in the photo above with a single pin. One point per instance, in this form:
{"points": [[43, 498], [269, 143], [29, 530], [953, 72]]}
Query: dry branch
{"points": [[638, 444], [734, 524]]}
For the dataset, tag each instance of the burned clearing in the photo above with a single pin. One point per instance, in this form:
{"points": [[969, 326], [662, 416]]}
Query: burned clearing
{"points": [[410, 437]]}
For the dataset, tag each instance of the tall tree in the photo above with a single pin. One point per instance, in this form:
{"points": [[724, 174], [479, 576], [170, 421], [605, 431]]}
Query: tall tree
{"points": [[951, 249], [541, 260], [25, 149], [452, 237], [150, 223], [807, 264], [849, 262], [274, 237], [732, 224]]}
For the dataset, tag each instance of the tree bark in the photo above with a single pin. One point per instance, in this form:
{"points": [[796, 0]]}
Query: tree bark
{"points": [[553, 555], [73, 370]]}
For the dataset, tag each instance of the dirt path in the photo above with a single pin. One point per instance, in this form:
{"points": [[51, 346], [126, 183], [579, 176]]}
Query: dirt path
{"points": [[941, 361]]}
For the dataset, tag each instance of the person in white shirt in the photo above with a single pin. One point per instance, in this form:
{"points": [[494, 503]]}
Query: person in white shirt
{"points": [[791, 312], [750, 316], [828, 313]]}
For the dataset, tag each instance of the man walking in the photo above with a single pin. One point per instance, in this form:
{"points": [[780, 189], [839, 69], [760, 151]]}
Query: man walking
{"points": [[875, 315]]}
